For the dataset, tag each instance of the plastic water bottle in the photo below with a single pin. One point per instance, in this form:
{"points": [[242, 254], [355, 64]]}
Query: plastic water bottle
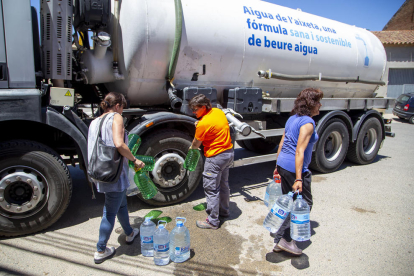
{"points": [[273, 191], [145, 184], [147, 230], [299, 220], [180, 242], [148, 161], [134, 141], [132, 189], [279, 212], [191, 159], [161, 245]]}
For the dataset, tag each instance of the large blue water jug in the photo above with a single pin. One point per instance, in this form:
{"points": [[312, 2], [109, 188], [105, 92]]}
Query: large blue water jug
{"points": [[279, 212], [147, 230], [299, 220], [161, 245], [273, 191], [180, 242]]}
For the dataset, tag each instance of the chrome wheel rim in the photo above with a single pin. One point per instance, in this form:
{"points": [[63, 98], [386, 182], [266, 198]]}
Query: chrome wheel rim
{"points": [[23, 191], [333, 146]]}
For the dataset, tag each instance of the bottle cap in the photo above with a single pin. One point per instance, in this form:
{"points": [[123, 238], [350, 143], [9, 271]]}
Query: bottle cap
{"points": [[299, 196], [290, 194], [180, 223], [148, 219]]}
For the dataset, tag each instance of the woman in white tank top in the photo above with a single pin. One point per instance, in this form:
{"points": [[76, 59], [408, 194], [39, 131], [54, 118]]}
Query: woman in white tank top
{"points": [[113, 134]]}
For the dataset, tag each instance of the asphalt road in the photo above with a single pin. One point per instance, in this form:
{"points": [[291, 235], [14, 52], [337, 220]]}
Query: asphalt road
{"points": [[361, 225]]}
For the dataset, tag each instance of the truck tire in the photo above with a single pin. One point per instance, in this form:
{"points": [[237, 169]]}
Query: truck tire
{"points": [[242, 144], [365, 148], [262, 146], [169, 148], [332, 146], [35, 187]]}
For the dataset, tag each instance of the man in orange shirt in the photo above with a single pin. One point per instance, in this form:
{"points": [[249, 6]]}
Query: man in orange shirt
{"points": [[213, 131]]}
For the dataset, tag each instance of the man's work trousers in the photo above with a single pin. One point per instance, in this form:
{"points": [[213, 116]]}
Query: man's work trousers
{"points": [[216, 185]]}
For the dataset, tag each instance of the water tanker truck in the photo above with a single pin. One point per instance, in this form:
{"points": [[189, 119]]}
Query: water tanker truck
{"points": [[250, 58]]}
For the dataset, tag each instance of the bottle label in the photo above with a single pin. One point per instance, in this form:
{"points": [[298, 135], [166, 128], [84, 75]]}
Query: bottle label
{"points": [[299, 219], [146, 239], [181, 250], [279, 212], [266, 199], [162, 247]]}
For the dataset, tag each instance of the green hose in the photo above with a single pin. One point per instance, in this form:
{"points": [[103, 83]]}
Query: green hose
{"points": [[177, 39]]}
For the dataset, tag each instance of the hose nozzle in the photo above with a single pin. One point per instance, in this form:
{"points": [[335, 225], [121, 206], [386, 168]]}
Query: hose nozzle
{"points": [[175, 101]]}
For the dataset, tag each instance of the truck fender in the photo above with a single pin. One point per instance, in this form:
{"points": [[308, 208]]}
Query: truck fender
{"points": [[321, 121], [361, 120], [152, 120], [58, 121]]}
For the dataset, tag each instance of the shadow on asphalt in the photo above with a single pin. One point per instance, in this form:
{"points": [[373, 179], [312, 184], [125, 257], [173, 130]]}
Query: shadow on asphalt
{"points": [[401, 120], [299, 262], [8, 271]]}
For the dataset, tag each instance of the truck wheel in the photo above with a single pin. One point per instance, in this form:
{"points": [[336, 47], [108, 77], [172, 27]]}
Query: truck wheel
{"points": [[331, 147], [262, 146], [365, 148], [242, 144], [411, 120], [174, 183], [35, 187]]}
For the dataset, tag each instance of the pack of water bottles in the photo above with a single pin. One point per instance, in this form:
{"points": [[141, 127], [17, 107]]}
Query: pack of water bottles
{"points": [[162, 245], [280, 209]]}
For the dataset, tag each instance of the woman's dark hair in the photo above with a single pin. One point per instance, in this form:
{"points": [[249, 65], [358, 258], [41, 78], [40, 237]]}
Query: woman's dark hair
{"points": [[306, 101], [112, 99], [200, 100]]}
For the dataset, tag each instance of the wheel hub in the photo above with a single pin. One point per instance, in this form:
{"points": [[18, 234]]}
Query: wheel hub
{"points": [[169, 170], [370, 141], [21, 189], [333, 146]]}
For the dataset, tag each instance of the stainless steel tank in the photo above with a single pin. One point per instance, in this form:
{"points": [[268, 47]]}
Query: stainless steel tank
{"points": [[234, 40]]}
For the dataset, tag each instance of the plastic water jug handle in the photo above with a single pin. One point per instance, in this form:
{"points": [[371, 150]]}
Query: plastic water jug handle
{"points": [[162, 221], [182, 218]]}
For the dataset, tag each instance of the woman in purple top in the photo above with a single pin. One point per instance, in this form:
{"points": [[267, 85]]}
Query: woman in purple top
{"points": [[293, 158]]}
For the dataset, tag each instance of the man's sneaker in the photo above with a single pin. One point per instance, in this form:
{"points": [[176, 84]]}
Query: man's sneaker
{"points": [[289, 247], [277, 249], [130, 239], [107, 254], [205, 225]]}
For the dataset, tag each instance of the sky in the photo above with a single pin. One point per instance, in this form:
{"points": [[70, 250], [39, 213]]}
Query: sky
{"points": [[369, 14]]}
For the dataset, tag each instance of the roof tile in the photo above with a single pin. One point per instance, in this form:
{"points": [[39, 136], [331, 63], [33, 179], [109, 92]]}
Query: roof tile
{"points": [[396, 37]]}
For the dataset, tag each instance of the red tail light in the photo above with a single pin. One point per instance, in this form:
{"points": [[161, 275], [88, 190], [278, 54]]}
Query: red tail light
{"points": [[406, 107]]}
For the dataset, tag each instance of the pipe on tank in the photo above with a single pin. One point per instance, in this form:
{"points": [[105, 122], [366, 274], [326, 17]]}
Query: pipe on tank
{"points": [[102, 42], [175, 101], [117, 73], [269, 74]]}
